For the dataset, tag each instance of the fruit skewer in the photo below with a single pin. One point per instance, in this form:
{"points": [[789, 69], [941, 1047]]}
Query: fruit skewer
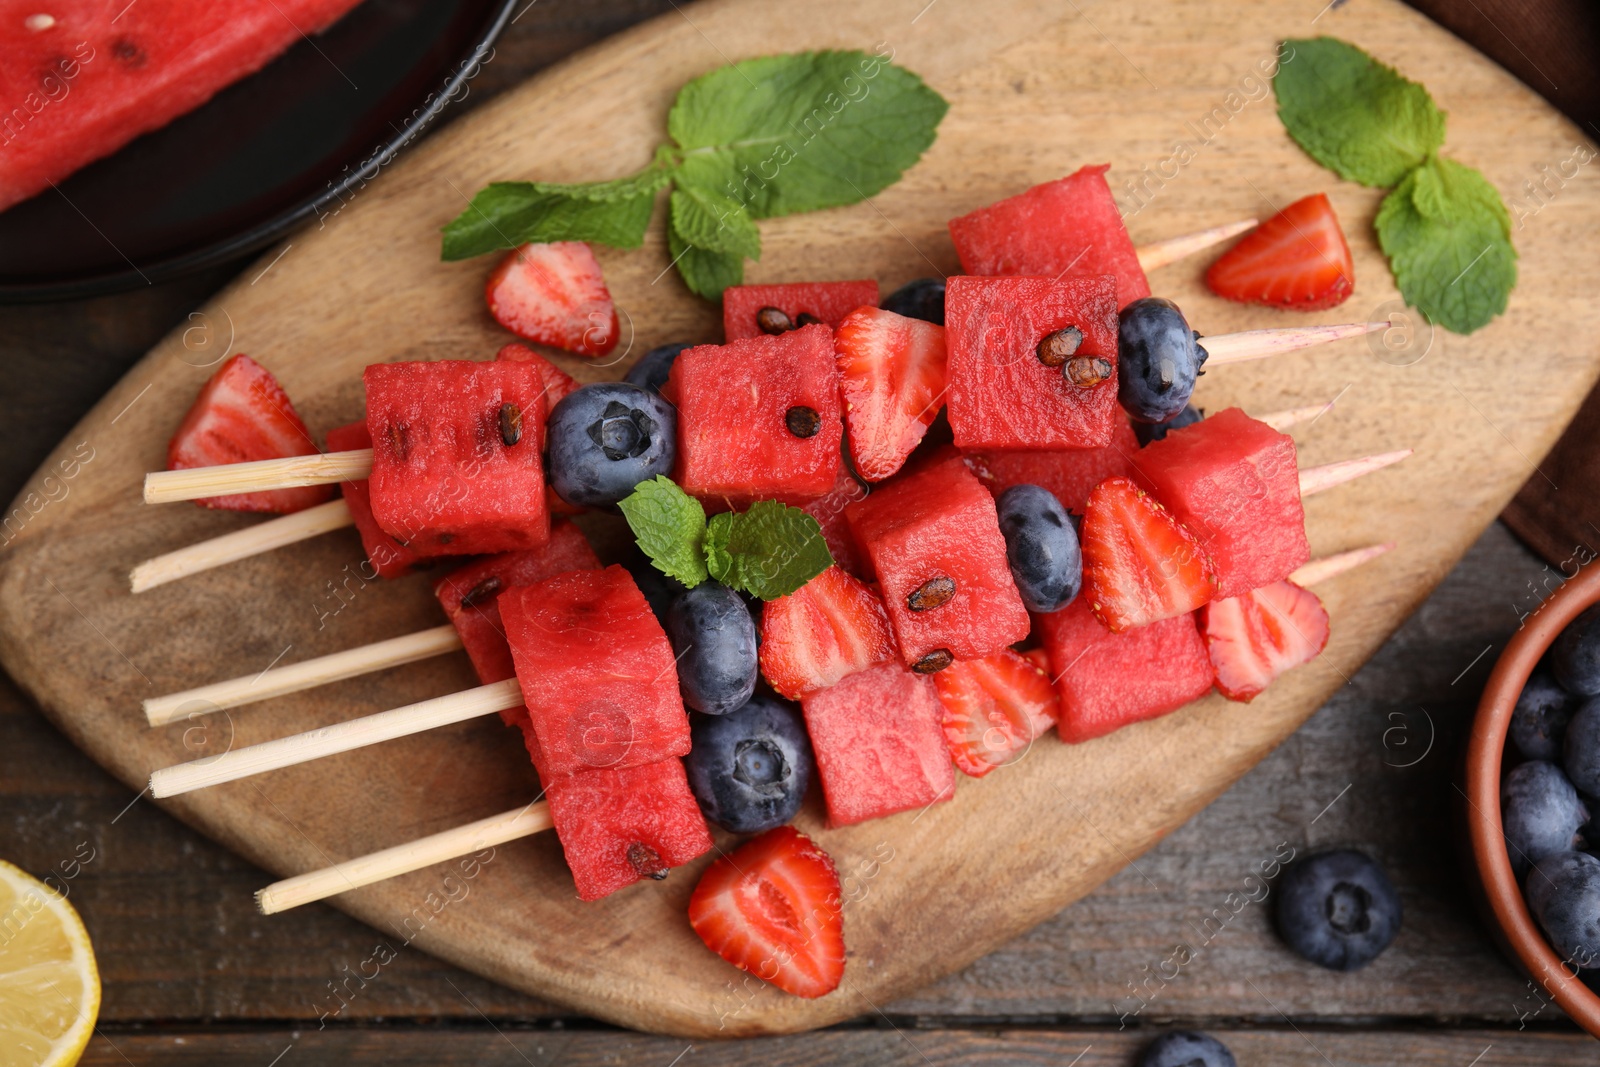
{"points": [[535, 818], [500, 696]]}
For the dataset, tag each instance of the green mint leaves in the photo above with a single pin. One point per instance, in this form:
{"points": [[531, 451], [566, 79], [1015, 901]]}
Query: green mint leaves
{"points": [[770, 136], [768, 551], [1444, 227]]}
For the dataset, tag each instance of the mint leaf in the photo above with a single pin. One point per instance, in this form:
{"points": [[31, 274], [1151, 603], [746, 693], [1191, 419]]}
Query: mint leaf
{"points": [[804, 131], [1448, 238], [705, 272], [670, 526], [719, 562], [508, 214], [715, 222], [1352, 114], [768, 551]]}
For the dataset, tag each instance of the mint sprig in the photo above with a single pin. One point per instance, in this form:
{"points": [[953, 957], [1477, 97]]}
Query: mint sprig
{"points": [[764, 137], [1444, 227], [669, 525]]}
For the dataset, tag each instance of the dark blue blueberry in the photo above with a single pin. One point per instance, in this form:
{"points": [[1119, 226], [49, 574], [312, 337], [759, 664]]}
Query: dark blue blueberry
{"points": [[1540, 813], [1563, 891], [651, 371], [1157, 431], [1337, 909], [1581, 748], [659, 590], [714, 639], [1186, 1048], [749, 769], [1575, 657], [606, 438], [1041, 547], [1158, 361], [920, 299], [1540, 719]]}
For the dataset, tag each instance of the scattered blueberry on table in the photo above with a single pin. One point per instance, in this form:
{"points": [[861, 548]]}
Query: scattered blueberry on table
{"points": [[1186, 1048], [1337, 909]]}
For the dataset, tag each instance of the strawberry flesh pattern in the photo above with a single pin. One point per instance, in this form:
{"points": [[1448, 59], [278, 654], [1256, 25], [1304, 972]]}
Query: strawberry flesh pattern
{"points": [[1256, 637], [1139, 564]]}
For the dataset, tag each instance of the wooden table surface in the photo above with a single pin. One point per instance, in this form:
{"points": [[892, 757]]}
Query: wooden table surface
{"points": [[193, 975]]}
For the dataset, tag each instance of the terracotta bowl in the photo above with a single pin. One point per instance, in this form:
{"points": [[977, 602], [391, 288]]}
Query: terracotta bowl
{"points": [[1518, 930]]}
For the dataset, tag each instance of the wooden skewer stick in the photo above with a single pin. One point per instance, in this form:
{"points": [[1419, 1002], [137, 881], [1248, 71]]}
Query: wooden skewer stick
{"points": [[1320, 570], [1160, 253], [295, 677], [163, 487], [1226, 348], [1325, 477], [241, 544], [1282, 420]]}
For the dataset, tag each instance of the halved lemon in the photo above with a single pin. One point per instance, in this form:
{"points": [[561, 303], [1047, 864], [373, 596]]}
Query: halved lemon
{"points": [[49, 985]]}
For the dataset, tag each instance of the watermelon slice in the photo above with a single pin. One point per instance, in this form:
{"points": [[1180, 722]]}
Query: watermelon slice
{"points": [[390, 557], [82, 78], [826, 302], [1068, 226], [1069, 475]]}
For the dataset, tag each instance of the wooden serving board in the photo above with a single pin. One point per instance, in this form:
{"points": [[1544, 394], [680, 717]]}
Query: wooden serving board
{"points": [[1172, 95]]}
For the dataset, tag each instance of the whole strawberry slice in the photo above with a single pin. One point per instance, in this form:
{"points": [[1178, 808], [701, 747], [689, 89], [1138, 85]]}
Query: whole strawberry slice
{"points": [[554, 294], [772, 908], [892, 381], [994, 709], [1139, 564], [828, 629], [1297, 259], [242, 414], [1256, 637]]}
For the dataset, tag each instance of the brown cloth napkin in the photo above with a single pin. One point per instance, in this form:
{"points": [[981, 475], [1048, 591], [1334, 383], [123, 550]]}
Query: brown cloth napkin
{"points": [[1553, 46]]}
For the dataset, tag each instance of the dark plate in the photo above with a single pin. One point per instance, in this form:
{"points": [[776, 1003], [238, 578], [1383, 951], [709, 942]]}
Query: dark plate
{"points": [[290, 143]]}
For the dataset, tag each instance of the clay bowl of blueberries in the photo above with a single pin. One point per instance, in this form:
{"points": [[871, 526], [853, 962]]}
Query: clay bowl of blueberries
{"points": [[1533, 780]]}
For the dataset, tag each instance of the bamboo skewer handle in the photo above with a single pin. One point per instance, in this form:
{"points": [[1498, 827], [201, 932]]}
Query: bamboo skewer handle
{"points": [[403, 859], [1160, 253], [1222, 349], [331, 740], [241, 544], [294, 677], [1319, 479], [1320, 570], [162, 487]]}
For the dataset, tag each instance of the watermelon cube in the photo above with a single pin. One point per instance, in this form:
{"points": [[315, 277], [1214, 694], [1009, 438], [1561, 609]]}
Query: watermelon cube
{"points": [[934, 540], [620, 824], [878, 736], [1233, 481], [825, 302], [1068, 475], [598, 676], [1071, 225], [1001, 394], [470, 597], [1106, 680], [759, 417], [455, 455], [389, 556]]}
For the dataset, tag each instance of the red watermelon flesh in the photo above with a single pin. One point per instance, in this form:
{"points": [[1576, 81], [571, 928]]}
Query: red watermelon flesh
{"points": [[388, 556], [878, 736], [1106, 680], [597, 673], [1000, 395], [1068, 226], [934, 526], [100, 74], [620, 824], [1068, 475], [558, 385], [446, 477], [829, 512], [734, 403], [828, 302], [1234, 483], [470, 597]]}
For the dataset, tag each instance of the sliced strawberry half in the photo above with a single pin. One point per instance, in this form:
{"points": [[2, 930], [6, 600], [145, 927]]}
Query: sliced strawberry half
{"points": [[554, 294], [892, 381], [773, 909], [828, 629], [1297, 259], [994, 709], [1256, 637], [1139, 564], [242, 414]]}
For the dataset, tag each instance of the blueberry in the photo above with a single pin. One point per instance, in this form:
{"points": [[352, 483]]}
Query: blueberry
{"points": [[1540, 719], [1337, 909], [920, 299], [1186, 1048], [606, 438], [1158, 360], [714, 639], [1540, 813], [651, 371], [1581, 748], [1041, 547], [1575, 657], [1563, 892], [749, 768], [1157, 431]]}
